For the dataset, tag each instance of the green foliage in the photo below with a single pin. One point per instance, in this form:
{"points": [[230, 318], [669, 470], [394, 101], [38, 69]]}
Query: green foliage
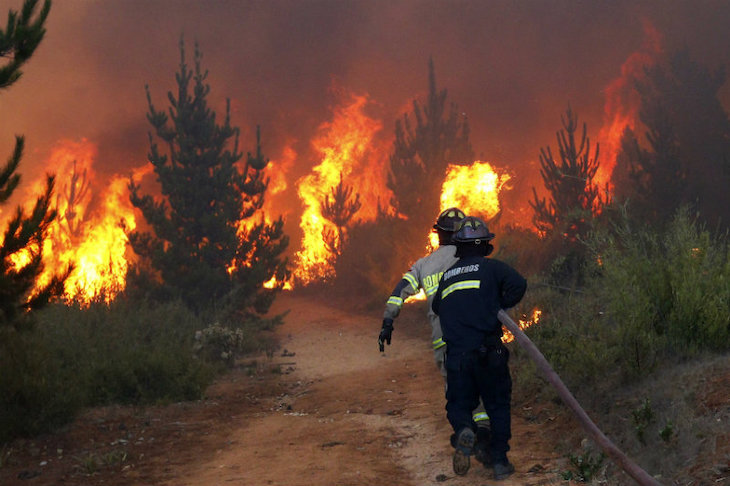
{"points": [[205, 247], [667, 432], [20, 38], [653, 297], [90, 463], [687, 133], [584, 466], [671, 290], [217, 343], [642, 417], [126, 352], [570, 183], [38, 391]]}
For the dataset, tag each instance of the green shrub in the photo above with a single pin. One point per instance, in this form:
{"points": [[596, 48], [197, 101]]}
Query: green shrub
{"points": [[124, 352], [669, 292], [37, 390], [652, 297], [584, 466]]}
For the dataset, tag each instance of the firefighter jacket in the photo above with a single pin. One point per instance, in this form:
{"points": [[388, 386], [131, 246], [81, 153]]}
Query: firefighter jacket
{"points": [[424, 274], [470, 295]]}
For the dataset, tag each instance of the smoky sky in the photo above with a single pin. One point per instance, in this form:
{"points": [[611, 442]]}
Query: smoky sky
{"points": [[512, 67]]}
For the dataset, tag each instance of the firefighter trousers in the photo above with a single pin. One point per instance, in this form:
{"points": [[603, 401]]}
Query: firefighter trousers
{"points": [[481, 374]]}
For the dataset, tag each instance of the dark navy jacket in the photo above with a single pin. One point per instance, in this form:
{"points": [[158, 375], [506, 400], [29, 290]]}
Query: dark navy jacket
{"points": [[470, 295]]}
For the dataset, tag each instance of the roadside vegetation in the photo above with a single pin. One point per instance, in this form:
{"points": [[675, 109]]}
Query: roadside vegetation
{"points": [[637, 343]]}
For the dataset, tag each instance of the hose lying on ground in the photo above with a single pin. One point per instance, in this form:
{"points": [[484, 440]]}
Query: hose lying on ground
{"points": [[631, 468]]}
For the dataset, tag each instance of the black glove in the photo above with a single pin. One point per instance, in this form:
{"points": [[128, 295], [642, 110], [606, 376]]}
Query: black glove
{"points": [[385, 333]]}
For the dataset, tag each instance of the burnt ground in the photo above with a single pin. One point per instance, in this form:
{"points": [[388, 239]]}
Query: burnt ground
{"points": [[327, 408]]}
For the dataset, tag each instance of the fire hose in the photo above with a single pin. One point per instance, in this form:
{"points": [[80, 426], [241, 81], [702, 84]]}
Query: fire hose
{"points": [[623, 461]]}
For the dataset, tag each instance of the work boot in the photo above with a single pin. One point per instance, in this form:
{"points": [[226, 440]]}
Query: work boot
{"points": [[481, 449], [503, 469], [464, 447]]}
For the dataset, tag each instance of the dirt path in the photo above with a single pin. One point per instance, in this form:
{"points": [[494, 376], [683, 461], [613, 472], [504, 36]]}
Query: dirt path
{"points": [[339, 413], [354, 416]]}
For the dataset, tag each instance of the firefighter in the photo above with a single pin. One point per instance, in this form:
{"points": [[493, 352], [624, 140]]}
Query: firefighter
{"points": [[425, 274], [469, 296]]}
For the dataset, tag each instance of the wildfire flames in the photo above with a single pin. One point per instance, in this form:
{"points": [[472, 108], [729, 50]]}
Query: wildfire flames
{"points": [[524, 323], [348, 151], [88, 230], [621, 106], [472, 188]]}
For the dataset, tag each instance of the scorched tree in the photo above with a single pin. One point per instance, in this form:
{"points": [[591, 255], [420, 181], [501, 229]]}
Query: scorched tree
{"points": [[209, 244]]}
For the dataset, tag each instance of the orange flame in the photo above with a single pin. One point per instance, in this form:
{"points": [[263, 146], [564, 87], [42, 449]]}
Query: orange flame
{"points": [[622, 103], [348, 149], [472, 188], [92, 239], [524, 323]]}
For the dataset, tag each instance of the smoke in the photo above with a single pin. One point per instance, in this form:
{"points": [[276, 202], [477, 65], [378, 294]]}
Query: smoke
{"points": [[512, 68]]}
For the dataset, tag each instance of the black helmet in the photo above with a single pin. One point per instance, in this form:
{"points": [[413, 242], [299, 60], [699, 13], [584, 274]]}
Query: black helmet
{"points": [[472, 230], [448, 219]]}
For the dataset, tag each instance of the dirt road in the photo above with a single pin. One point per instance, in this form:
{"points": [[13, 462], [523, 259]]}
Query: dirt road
{"points": [[338, 413], [355, 416]]}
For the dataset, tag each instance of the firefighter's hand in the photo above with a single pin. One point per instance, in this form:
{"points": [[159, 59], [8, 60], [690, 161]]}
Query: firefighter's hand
{"points": [[385, 334]]}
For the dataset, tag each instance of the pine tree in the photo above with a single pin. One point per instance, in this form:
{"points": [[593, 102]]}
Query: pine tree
{"points": [[204, 246], [339, 209], [421, 154], [573, 193], [21, 261], [687, 156], [565, 218]]}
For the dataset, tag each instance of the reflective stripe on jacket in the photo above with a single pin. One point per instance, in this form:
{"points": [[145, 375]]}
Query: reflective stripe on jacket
{"points": [[424, 274]]}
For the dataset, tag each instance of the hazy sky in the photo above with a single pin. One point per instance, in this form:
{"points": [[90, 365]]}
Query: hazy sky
{"points": [[511, 66]]}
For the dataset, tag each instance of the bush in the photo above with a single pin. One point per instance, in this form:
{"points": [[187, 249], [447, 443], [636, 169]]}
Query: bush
{"points": [[654, 297], [670, 290], [38, 390], [125, 352]]}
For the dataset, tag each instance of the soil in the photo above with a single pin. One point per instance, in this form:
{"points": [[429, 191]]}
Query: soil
{"points": [[326, 408]]}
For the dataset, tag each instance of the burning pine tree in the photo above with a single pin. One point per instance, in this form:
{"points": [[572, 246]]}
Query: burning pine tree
{"points": [[205, 249], [339, 208], [21, 262]]}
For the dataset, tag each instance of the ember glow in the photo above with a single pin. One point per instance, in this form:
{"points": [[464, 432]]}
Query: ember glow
{"points": [[348, 149]]}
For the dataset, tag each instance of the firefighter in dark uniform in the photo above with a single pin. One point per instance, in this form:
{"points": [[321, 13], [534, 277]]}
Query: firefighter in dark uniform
{"points": [[469, 296], [424, 275]]}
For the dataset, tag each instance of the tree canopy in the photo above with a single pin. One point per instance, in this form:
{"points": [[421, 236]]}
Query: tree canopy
{"points": [[208, 242]]}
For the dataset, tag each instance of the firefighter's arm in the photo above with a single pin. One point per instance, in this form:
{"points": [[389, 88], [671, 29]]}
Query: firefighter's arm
{"points": [[514, 287], [406, 287]]}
